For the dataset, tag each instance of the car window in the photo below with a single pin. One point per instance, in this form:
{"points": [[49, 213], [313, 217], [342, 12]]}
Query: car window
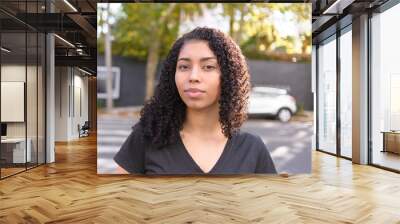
{"points": [[259, 94], [270, 90]]}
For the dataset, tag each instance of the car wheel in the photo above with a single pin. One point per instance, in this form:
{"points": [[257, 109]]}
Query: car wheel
{"points": [[284, 115]]}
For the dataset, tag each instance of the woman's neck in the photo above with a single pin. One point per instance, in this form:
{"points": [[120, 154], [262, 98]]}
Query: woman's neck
{"points": [[203, 122]]}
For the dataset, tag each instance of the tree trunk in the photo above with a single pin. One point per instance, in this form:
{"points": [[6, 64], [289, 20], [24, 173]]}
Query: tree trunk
{"points": [[153, 56], [108, 59], [231, 21], [238, 34], [151, 67]]}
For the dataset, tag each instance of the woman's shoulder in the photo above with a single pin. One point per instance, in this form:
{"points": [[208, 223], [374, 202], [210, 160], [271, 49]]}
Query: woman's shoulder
{"points": [[136, 134], [249, 137], [255, 146], [137, 127], [131, 154], [249, 142], [139, 136]]}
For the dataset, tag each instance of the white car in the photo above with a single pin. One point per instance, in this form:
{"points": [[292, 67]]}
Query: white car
{"points": [[272, 101]]}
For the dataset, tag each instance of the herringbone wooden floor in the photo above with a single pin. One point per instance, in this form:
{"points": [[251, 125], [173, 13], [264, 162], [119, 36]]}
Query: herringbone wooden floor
{"points": [[70, 191]]}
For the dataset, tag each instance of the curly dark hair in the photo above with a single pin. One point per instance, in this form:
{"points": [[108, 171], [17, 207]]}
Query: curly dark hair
{"points": [[162, 117]]}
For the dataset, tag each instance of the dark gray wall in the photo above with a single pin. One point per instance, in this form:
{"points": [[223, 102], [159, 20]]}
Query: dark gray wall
{"points": [[294, 76], [133, 80]]}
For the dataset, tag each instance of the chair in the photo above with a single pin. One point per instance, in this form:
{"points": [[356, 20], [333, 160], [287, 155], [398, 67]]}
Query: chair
{"points": [[84, 130]]}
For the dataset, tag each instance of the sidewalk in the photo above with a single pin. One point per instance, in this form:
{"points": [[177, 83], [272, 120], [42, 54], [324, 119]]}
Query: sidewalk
{"points": [[122, 112], [305, 116], [134, 112]]}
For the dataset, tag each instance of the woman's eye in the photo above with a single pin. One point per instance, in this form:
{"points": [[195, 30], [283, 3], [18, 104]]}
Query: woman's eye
{"points": [[209, 67], [183, 67]]}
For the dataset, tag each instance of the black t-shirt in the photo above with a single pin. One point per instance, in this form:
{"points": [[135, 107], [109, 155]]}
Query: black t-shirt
{"points": [[243, 153]]}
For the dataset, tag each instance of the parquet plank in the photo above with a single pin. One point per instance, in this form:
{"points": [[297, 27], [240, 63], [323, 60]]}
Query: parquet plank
{"points": [[70, 191]]}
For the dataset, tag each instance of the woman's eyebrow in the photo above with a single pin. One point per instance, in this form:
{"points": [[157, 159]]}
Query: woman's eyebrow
{"points": [[201, 59], [208, 58], [184, 59]]}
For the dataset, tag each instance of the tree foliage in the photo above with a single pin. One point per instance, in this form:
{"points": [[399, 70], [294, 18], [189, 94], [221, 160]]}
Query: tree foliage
{"points": [[146, 31]]}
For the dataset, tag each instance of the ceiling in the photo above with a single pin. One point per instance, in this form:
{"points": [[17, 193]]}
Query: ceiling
{"points": [[330, 15], [74, 22]]}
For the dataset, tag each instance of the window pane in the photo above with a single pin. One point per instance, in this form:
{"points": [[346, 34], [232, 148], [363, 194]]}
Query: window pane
{"points": [[346, 93], [41, 98], [385, 89], [31, 98], [13, 86], [327, 96]]}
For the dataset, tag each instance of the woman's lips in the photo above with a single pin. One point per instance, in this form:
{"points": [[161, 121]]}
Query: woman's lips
{"points": [[194, 92]]}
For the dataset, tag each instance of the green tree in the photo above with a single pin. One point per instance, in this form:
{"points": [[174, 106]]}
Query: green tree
{"points": [[147, 31], [251, 26], [235, 12]]}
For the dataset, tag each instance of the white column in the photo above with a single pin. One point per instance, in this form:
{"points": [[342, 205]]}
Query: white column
{"points": [[50, 94], [360, 90], [62, 102], [314, 91]]}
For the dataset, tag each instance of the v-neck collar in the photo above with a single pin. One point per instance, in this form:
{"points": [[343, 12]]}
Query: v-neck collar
{"points": [[194, 163]]}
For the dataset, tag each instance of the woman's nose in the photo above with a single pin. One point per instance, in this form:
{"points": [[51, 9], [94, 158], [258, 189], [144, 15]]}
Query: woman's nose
{"points": [[194, 74]]}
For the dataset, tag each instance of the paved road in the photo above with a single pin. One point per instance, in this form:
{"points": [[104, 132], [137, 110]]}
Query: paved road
{"points": [[111, 133], [289, 144]]}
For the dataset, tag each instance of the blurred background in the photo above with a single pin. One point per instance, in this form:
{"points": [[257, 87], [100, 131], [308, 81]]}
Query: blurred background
{"points": [[134, 38]]}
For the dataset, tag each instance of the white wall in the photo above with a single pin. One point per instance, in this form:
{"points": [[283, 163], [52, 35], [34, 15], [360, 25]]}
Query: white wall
{"points": [[33, 126], [15, 73], [80, 115], [62, 81], [71, 94]]}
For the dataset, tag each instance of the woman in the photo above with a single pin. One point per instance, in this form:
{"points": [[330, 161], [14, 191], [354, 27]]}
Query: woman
{"points": [[191, 124]]}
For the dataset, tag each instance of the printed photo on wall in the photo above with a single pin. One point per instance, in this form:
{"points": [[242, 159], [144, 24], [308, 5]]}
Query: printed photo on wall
{"points": [[204, 88]]}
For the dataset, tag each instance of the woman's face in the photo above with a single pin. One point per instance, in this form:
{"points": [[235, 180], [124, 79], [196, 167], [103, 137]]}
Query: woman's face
{"points": [[197, 75]]}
